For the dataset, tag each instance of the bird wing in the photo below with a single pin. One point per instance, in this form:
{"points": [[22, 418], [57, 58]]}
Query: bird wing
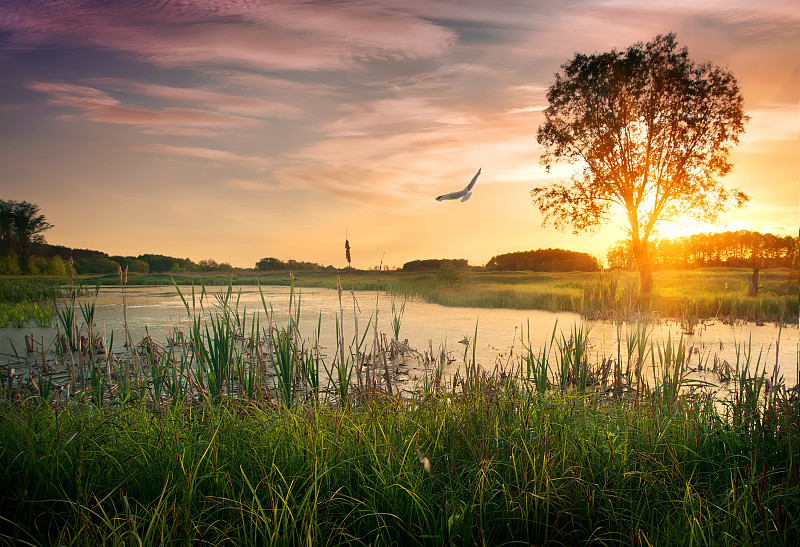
{"points": [[472, 182], [465, 193], [451, 195]]}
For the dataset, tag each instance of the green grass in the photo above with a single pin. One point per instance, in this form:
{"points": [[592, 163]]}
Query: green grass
{"points": [[21, 313], [16, 289], [27, 299], [207, 446], [520, 467]]}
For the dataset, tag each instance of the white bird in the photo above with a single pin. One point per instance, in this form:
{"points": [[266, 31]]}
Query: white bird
{"points": [[464, 194]]}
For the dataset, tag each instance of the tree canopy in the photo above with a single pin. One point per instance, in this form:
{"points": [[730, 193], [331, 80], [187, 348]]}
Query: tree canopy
{"points": [[21, 226], [434, 264], [649, 132], [544, 260], [741, 249]]}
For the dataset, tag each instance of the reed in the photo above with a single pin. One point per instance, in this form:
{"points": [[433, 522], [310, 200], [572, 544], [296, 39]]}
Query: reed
{"points": [[397, 318], [230, 435], [519, 467]]}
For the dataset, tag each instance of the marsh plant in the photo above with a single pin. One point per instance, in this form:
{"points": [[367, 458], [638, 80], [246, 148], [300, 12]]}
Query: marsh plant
{"points": [[244, 431]]}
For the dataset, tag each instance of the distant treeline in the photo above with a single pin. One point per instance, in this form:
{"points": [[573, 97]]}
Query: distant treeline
{"points": [[741, 249], [434, 264], [270, 263], [544, 260], [540, 260], [54, 260]]}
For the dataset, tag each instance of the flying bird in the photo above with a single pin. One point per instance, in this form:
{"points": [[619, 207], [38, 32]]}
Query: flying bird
{"points": [[464, 194]]}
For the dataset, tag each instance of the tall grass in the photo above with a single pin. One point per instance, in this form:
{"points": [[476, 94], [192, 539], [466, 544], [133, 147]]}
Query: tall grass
{"points": [[230, 435], [24, 299], [520, 467]]}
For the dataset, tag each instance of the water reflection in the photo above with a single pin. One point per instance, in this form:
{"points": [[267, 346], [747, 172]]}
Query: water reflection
{"points": [[159, 311]]}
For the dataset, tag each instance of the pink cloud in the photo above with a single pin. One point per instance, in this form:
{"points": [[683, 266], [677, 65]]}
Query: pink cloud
{"points": [[271, 35], [246, 184], [221, 102], [209, 154], [387, 114], [99, 106]]}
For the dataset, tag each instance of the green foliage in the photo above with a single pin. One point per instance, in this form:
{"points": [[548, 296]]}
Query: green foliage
{"points": [[9, 265], [134, 265], [96, 265], [20, 228], [182, 447], [20, 313], [448, 274], [36, 265], [25, 299], [274, 264], [435, 264], [29, 289], [56, 267], [649, 133], [544, 260], [518, 468]]}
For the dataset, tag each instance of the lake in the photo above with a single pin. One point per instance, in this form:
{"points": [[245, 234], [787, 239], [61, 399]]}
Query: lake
{"points": [[157, 311]]}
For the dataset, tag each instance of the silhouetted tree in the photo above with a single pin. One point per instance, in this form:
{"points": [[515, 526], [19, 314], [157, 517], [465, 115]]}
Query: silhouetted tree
{"points": [[544, 260], [20, 227], [650, 131]]}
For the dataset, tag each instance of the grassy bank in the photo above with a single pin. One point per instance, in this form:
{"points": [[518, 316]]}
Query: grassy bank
{"points": [[243, 433], [517, 468], [24, 299]]}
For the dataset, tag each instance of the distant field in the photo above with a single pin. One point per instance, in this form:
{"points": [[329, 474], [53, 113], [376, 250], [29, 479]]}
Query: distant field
{"points": [[682, 294]]}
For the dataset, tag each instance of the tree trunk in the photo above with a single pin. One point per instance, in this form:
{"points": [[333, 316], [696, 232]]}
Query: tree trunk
{"points": [[642, 256], [753, 283]]}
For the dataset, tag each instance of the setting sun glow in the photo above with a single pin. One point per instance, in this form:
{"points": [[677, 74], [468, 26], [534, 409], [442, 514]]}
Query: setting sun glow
{"points": [[228, 131]]}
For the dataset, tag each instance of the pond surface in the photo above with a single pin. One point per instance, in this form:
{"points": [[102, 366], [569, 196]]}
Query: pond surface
{"points": [[158, 311]]}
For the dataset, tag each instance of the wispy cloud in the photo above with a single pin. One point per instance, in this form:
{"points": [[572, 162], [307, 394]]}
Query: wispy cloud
{"points": [[358, 112], [771, 123], [99, 106], [526, 109], [218, 157], [263, 36], [247, 184], [230, 103]]}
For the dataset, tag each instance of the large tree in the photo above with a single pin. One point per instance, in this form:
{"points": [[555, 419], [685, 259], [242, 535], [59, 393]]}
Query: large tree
{"points": [[649, 132]]}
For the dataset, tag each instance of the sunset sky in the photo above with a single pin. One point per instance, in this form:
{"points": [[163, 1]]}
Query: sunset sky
{"points": [[241, 129]]}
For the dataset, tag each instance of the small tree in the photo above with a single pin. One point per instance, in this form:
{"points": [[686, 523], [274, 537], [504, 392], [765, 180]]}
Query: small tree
{"points": [[56, 266], [649, 131], [20, 227]]}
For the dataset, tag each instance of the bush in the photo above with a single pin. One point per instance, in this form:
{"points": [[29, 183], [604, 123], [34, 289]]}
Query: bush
{"points": [[37, 265], [448, 274], [56, 266], [9, 265]]}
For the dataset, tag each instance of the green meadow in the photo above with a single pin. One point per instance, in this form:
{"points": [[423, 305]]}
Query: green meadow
{"points": [[243, 432]]}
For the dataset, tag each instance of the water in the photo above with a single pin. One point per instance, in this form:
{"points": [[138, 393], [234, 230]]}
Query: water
{"points": [[158, 311]]}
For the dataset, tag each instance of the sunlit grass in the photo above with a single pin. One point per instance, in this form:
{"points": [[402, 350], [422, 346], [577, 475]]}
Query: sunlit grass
{"points": [[519, 467], [231, 439]]}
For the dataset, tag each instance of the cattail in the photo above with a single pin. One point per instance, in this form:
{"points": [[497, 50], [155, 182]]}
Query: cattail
{"points": [[347, 250]]}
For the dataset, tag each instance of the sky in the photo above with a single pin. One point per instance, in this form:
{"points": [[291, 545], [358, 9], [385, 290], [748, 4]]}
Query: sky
{"points": [[241, 129]]}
